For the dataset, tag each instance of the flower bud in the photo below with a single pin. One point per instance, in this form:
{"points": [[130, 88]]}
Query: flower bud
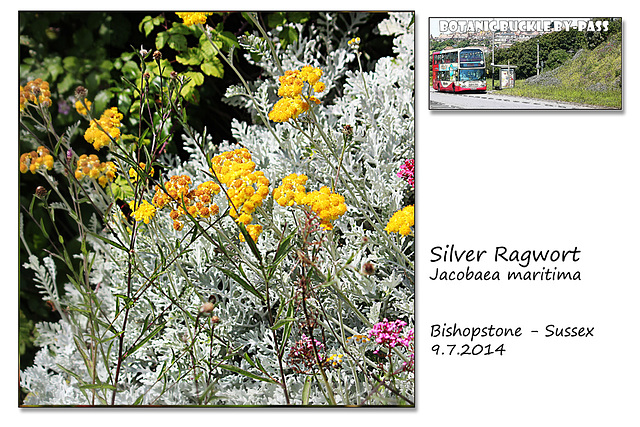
{"points": [[207, 307], [41, 192], [81, 93], [157, 55], [368, 268]]}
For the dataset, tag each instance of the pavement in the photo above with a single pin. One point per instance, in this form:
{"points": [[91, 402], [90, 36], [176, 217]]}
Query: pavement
{"points": [[493, 100]]}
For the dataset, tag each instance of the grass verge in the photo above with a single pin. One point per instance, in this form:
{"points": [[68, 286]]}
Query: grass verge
{"points": [[601, 98]]}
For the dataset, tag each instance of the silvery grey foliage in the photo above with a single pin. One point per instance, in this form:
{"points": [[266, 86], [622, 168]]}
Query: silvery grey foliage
{"points": [[186, 361]]}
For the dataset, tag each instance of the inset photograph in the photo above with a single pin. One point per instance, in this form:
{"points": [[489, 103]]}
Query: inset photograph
{"points": [[525, 63]]}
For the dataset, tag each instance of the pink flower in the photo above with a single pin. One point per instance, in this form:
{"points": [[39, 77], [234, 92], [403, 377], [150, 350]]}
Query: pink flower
{"points": [[407, 171], [390, 334], [301, 355]]}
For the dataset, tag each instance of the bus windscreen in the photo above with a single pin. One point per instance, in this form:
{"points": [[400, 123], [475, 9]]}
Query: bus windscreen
{"points": [[470, 75], [471, 56]]}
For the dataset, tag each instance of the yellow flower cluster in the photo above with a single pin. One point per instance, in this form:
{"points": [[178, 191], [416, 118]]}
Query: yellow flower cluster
{"points": [[354, 43], [358, 338], [80, 108], [198, 202], [144, 212], [191, 18], [288, 108], [36, 92], [401, 221], [35, 160], [327, 205], [177, 188], [246, 187], [335, 360], [133, 175], [291, 191], [293, 102], [108, 127], [90, 166]]}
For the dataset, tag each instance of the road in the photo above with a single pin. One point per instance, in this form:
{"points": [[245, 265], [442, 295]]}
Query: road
{"points": [[495, 101]]}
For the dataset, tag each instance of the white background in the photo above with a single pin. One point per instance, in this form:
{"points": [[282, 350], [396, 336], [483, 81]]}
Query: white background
{"points": [[535, 180]]}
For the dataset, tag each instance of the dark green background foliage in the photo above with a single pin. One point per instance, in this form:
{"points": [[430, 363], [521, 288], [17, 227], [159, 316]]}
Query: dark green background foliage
{"points": [[98, 50]]}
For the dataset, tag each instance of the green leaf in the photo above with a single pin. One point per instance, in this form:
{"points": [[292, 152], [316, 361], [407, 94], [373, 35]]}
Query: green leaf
{"points": [[283, 250], [154, 69], [148, 23], [275, 19], [207, 48], [241, 282], [229, 39], [53, 66], [109, 241], [32, 204], [121, 188], [195, 77], [306, 389], [287, 328], [178, 42], [101, 101], [180, 28], [127, 300], [288, 36], [299, 17], [130, 70], [92, 82], [248, 359], [282, 322], [43, 230], [245, 373], [213, 68], [250, 242], [68, 81], [191, 56], [124, 102], [155, 332], [102, 386], [161, 39]]}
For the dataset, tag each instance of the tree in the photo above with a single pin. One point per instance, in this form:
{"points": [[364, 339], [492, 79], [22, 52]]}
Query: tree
{"points": [[556, 58]]}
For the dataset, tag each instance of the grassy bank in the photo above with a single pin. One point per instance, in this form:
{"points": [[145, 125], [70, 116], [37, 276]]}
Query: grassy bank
{"points": [[601, 98], [591, 77]]}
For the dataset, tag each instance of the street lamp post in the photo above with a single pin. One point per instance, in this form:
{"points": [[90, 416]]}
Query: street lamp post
{"points": [[538, 59]]}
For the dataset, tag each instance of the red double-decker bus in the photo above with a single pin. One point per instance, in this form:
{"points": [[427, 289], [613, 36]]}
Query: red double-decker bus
{"points": [[459, 70]]}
